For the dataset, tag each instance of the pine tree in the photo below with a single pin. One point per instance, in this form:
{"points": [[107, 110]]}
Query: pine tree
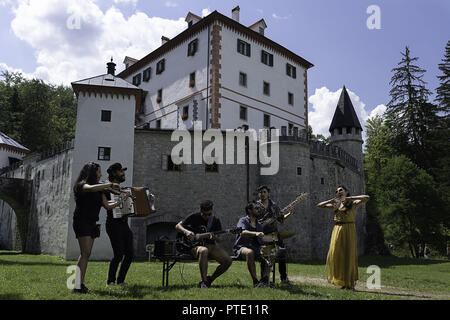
{"points": [[443, 91], [409, 115]]}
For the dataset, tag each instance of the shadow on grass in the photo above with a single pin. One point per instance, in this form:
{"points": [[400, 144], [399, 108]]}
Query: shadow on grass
{"points": [[30, 263], [393, 294], [11, 296], [381, 261], [135, 291]]}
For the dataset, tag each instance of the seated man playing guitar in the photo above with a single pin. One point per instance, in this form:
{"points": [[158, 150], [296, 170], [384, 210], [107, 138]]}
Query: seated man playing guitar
{"points": [[248, 244], [200, 222]]}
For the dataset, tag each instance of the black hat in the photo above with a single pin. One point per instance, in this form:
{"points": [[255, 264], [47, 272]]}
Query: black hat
{"points": [[114, 167]]}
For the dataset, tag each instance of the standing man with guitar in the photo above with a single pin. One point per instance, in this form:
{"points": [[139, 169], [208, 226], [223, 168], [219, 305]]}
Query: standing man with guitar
{"points": [[201, 222], [270, 216]]}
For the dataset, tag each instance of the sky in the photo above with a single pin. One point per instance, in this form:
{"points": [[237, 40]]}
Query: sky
{"points": [[355, 43]]}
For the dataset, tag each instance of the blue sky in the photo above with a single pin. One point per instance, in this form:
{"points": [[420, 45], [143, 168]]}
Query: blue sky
{"points": [[333, 35]]}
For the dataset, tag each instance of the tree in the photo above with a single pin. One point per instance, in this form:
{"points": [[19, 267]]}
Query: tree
{"points": [[409, 205], [443, 90], [317, 137], [409, 115]]}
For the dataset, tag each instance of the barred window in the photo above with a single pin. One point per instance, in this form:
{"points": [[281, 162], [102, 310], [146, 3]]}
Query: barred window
{"points": [[104, 153], [243, 47]]}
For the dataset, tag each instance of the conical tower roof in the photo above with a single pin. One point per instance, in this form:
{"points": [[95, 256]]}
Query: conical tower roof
{"points": [[345, 115]]}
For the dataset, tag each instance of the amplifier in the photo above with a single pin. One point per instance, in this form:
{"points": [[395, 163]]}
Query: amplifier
{"points": [[164, 248]]}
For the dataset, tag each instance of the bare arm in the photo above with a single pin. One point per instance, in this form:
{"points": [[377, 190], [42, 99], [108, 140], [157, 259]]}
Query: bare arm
{"points": [[179, 227], [99, 187], [248, 233], [109, 205], [358, 201], [329, 204]]}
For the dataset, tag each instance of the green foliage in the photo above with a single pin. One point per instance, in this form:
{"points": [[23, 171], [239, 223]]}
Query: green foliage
{"points": [[317, 137], [443, 90], [37, 115]]}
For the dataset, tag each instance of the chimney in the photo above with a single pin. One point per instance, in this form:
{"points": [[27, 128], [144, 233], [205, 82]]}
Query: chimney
{"points": [[164, 40], [111, 67], [235, 13]]}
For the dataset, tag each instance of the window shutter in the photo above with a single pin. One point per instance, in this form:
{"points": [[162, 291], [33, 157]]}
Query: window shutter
{"points": [[238, 42], [262, 56], [271, 60], [294, 72], [248, 49]]}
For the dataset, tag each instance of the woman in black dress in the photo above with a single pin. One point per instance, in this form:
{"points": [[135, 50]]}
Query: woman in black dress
{"points": [[89, 198]]}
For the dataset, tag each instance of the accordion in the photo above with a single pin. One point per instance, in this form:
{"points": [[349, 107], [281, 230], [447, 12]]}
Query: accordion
{"points": [[139, 204]]}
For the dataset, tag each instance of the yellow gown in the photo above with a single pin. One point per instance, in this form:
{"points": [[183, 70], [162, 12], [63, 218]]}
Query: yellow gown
{"points": [[342, 259]]}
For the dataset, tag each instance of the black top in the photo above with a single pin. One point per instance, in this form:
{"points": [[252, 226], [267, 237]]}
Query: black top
{"points": [[197, 224], [88, 204]]}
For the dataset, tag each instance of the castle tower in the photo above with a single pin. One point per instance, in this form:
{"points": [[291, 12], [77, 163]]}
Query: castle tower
{"points": [[346, 130], [104, 134]]}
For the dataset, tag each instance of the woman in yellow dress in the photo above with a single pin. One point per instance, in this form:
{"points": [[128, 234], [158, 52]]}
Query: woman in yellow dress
{"points": [[342, 259]]}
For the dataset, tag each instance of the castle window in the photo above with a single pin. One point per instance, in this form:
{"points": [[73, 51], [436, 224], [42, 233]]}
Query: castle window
{"points": [[192, 47], [291, 128], [190, 23], [356, 130], [106, 116], [349, 130], [339, 130], [266, 120], [147, 74], [299, 171], [212, 167], [283, 130], [322, 181], [242, 79], [137, 79], [104, 153], [192, 80], [291, 71], [185, 113], [242, 113], [158, 124], [266, 88], [159, 97], [261, 30], [290, 98], [243, 47], [267, 58], [160, 66], [295, 131]]}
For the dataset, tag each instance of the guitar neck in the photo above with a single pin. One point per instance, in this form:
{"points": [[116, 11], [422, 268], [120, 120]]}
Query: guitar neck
{"points": [[208, 234]]}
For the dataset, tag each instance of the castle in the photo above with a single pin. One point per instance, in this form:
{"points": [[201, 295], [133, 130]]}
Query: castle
{"points": [[221, 74]]}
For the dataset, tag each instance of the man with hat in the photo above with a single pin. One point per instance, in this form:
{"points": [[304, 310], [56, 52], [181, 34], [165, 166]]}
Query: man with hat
{"points": [[119, 234]]}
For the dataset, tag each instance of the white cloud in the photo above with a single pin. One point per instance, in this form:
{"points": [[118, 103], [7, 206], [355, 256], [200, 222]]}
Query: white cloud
{"points": [[324, 104], [5, 67], [378, 110], [205, 12], [133, 2], [74, 39], [275, 16], [171, 4]]}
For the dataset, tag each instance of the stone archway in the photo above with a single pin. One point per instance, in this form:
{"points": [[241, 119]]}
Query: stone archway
{"points": [[17, 193]]}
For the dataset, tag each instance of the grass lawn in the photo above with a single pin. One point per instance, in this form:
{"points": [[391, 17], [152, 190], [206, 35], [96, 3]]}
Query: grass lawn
{"points": [[30, 277]]}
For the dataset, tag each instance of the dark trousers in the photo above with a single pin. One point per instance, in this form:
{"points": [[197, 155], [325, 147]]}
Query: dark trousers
{"points": [[281, 259], [121, 239]]}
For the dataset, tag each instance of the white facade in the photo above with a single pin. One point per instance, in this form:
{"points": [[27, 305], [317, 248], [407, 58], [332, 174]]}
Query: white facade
{"points": [[176, 92], [174, 82], [251, 96]]}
